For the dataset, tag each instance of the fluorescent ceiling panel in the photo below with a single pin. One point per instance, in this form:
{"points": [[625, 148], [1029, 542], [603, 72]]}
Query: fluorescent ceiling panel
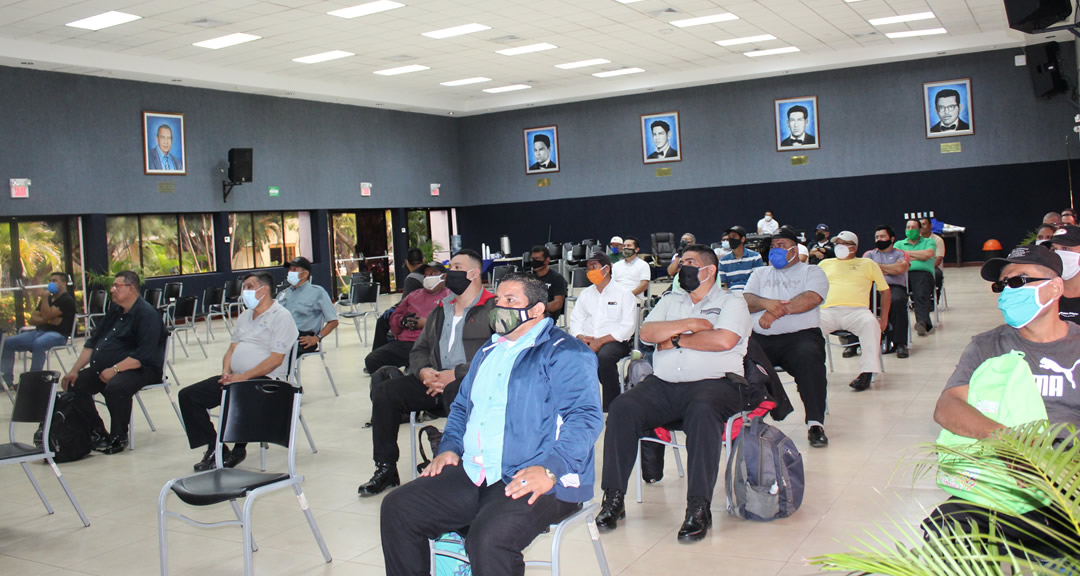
{"points": [[456, 31], [746, 40], [366, 9], [913, 33], [102, 21], [771, 52], [402, 70], [226, 41], [526, 49], [510, 88], [323, 57], [686, 23], [619, 72], [903, 18], [464, 81], [583, 63]]}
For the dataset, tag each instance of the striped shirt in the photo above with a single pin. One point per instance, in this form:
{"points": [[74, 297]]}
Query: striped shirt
{"points": [[734, 272]]}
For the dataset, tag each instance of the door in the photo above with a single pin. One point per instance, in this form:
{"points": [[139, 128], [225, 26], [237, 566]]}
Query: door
{"points": [[360, 241], [30, 250]]}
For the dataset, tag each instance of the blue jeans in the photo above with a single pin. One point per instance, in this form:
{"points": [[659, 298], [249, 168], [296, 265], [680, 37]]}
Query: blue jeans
{"points": [[37, 341]]}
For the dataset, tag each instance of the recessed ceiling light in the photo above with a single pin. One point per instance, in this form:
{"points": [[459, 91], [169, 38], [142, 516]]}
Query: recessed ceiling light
{"points": [[627, 1], [323, 57], [226, 41], [619, 72], [526, 49], [746, 40], [366, 9], [899, 19], [464, 81], [771, 52], [102, 21], [583, 63], [456, 31], [850, 1], [725, 17], [510, 88], [402, 70], [911, 33]]}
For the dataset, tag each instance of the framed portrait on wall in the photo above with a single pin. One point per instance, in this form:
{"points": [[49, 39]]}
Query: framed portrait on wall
{"points": [[797, 124], [947, 106], [541, 149], [660, 138], [163, 143]]}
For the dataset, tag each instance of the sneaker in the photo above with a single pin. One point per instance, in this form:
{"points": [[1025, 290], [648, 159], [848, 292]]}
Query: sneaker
{"points": [[902, 352], [208, 461], [861, 382], [612, 509], [697, 522], [920, 329], [851, 352], [230, 458], [385, 476], [817, 437]]}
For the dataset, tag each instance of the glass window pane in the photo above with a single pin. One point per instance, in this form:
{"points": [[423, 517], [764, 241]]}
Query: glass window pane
{"points": [[268, 239], [297, 235], [197, 240], [160, 245], [74, 229], [243, 250], [122, 239], [343, 241]]}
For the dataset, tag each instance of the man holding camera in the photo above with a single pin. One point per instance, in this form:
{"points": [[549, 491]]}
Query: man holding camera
{"points": [[540, 262], [408, 320]]}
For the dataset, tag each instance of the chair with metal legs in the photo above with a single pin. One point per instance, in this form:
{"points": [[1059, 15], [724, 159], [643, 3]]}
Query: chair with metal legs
{"points": [[163, 385]]}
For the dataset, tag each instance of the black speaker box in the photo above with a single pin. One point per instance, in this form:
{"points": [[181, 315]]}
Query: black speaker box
{"points": [[1030, 15], [240, 164], [1045, 69]]}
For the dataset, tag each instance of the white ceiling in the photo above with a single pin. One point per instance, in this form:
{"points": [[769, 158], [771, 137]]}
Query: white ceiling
{"points": [[158, 48]]}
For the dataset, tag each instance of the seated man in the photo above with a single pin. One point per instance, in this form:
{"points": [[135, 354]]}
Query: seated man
{"points": [[850, 282], [506, 469], [632, 272], [1066, 244], [736, 266], [821, 248], [615, 248], [1030, 285], [700, 335], [673, 266], [125, 353], [408, 320], [309, 305], [53, 319], [785, 299], [604, 318], [262, 342], [894, 267], [926, 231], [452, 334], [414, 280], [1044, 233], [540, 262], [919, 252]]}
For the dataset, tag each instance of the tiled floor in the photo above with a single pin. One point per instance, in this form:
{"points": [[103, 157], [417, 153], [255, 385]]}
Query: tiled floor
{"points": [[851, 485]]}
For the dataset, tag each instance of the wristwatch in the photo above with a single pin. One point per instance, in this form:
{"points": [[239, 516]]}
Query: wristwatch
{"points": [[116, 368], [319, 336], [675, 340], [551, 475]]}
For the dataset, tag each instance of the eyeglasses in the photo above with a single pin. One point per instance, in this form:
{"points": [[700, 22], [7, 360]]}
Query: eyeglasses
{"points": [[119, 285], [1013, 282], [948, 107]]}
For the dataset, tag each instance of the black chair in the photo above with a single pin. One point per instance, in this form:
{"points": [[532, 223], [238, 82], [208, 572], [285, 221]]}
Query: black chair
{"points": [[260, 411], [555, 250], [500, 272], [172, 292], [590, 242], [663, 246], [34, 405], [153, 296], [233, 290], [214, 303], [576, 255], [181, 318], [361, 293], [95, 308]]}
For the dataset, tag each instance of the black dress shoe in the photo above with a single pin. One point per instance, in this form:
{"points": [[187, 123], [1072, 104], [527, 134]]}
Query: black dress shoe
{"points": [[99, 439], [207, 462], [230, 458], [116, 444], [921, 329], [817, 437], [612, 510], [851, 352], [902, 352], [861, 382], [385, 476], [698, 520]]}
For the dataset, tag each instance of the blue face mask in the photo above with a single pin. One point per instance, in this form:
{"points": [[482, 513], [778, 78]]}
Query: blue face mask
{"points": [[725, 245], [1021, 305], [778, 257], [53, 288]]}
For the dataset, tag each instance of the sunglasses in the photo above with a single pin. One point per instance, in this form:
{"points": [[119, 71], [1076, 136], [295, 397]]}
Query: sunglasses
{"points": [[1013, 282]]}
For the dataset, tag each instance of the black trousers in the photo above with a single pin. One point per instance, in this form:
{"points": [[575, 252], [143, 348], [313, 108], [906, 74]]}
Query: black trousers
{"points": [[801, 354], [897, 331], [117, 393], [703, 406], [196, 401], [401, 396], [499, 527], [607, 369], [921, 287], [382, 328], [1012, 529], [394, 353]]}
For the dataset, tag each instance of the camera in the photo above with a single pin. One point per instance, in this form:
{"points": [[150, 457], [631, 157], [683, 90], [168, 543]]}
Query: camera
{"points": [[410, 322]]}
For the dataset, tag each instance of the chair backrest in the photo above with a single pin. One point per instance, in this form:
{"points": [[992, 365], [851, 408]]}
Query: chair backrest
{"points": [[577, 253], [579, 278], [291, 364], [184, 309], [153, 296], [98, 298], [594, 249], [361, 292], [500, 272], [590, 242], [214, 297], [555, 250], [232, 289], [259, 411], [663, 246], [173, 291], [34, 401]]}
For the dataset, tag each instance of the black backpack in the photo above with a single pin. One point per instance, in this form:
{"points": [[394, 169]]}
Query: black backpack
{"points": [[434, 437], [69, 433]]}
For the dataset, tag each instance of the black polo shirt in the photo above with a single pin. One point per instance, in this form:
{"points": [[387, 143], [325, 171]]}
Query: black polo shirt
{"points": [[138, 333], [556, 286]]}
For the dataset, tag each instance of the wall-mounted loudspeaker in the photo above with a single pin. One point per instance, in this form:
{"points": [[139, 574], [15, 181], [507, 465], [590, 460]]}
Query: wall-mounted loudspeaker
{"points": [[1031, 15], [240, 164], [1045, 69]]}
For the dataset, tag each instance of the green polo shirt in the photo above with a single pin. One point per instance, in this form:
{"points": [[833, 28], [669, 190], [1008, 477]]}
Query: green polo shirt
{"points": [[922, 244]]}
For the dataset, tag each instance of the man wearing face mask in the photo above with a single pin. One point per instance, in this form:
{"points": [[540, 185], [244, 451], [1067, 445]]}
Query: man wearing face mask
{"points": [[632, 272], [408, 320], [507, 468], [850, 282], [53, 319], [920, 253], [785, 300], [615, 249], [673, 267], [540, 262], [309, 305], [700, 336], [1066, 243], [767, 225], [926, 230], [1044, 233], [262, 340], [604, 318], [894, 266], [439, 360], [736, 266], [822, 247]]}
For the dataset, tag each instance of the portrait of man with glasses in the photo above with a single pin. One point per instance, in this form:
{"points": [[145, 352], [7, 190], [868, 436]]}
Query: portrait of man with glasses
{"points": [[948, 108]]}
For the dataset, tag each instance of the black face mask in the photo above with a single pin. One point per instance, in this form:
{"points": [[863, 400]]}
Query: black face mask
{"points": [[536, 264], [457, 281], [820, 236], [882, 244], [734, 243], [688, 278], [683, 244]]}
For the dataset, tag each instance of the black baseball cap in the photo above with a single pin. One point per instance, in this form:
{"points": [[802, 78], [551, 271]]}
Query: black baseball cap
{"points": [[738, 230], [300, 262], [824, 227], [437, 266], [1034, 254], [1067, 236], [599, 257], [787, 232]]}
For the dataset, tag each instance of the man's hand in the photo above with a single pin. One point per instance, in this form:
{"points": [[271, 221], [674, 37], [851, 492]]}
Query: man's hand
{"points": [[585, 339], [532, 480], [595, 345], [437, 464], [107, 374], [699, 325], [309, 341], [228, 378], [778, 309], [883, 322], [69, 379], [437, 384], [766, 320], [420, 322]]}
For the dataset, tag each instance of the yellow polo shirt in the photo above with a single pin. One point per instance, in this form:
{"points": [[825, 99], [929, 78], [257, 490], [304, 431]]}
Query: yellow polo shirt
{"points": [[850, 281]]}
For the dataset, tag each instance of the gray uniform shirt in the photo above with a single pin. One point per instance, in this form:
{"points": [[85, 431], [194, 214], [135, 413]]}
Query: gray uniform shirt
{"points": [[1054, 365], [255, 338], [726, 310], [770, 282], [309, 305]]}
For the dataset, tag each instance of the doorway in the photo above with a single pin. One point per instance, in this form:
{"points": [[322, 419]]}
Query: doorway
{"points": [[30, 250], [361, 241]]}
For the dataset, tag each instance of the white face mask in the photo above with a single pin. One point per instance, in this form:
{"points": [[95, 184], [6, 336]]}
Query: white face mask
{"points": [[250, 299], [768, 218], [1070, 264], [293, 278], [430, 282], [842, 251]]}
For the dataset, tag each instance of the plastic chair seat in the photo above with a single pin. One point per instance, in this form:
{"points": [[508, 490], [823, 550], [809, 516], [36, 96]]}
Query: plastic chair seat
{"points": [[218, 486], [19, 450]]}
